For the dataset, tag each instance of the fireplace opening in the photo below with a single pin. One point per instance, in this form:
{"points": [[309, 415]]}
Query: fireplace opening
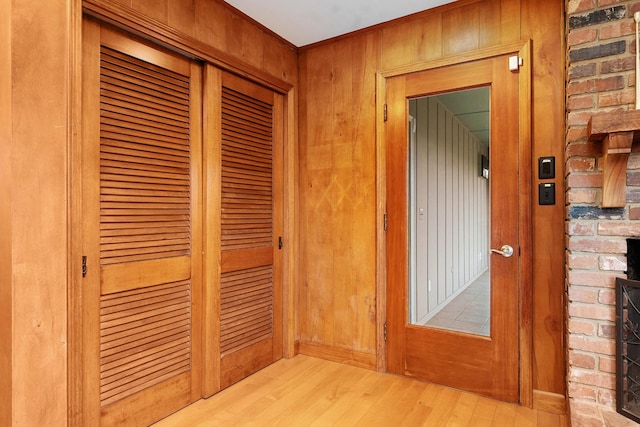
{"points": [[628, 336]]}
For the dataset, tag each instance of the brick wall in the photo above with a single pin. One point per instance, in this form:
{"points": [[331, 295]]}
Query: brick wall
{"points": [[600, 77]]}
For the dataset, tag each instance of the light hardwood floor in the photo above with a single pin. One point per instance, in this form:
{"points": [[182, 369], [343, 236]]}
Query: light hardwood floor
{"points": [[305, 391]]}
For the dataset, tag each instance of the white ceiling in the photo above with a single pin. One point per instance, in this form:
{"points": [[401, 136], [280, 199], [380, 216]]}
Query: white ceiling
{"points": [[303, 22]]}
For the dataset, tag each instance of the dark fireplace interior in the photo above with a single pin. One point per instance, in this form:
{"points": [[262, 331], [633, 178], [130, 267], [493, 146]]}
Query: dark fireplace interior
{"points": [[628, 336]]}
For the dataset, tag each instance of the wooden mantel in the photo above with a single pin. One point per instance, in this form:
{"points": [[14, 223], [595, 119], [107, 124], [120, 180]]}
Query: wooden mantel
{"points": [[616, 130]]}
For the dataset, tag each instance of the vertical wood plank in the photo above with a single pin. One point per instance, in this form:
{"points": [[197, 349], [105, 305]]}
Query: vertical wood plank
{"points": [[156, 9], [206, 13], [460, 29], [74, 313], [198, 302], [39, 206], [6, 276], [338, 185], [212, 230], [544, 24], [90, 220], [181, 15]]}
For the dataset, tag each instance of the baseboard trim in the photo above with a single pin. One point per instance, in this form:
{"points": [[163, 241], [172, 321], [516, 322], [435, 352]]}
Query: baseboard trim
{"points": [[337, 354], [549, 402]]}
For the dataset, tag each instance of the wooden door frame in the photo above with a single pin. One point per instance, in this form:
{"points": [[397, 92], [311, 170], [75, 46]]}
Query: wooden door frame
{"points": [[525, 329], [130, 21]]}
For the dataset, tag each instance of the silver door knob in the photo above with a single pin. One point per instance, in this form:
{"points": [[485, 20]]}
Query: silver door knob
{"points": [[506, 251]]}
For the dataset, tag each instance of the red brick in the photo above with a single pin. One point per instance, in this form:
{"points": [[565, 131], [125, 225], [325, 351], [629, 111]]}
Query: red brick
{"points": [[590, 311], [585, 420], [607, 296], [618, 65], [575, 6], [582, 262], [596, 85], [608, 398], [613, 263], [584, 148], [614, 99], [581, 164], [579, 118], [597, 245], [580, 102], [597, 379], [634, 212], [633, 178], [580, 391], [575, 228], [606, 330], [607, 364], [584, 295], [591, 344], [580, 36], [626, 229], [618, 29], [582, 327], [582, 360], [582, 196], [585, 180], [582, 70], [579, 134], [581, 408], [591, 279], [634, 161]]}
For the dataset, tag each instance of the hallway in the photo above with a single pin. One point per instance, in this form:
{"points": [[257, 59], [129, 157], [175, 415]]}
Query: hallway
{"points": [[305, 391]]}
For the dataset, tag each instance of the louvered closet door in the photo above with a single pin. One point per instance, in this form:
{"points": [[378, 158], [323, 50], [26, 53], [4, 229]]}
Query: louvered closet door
{"points": [[249, 325], [142, 148]]}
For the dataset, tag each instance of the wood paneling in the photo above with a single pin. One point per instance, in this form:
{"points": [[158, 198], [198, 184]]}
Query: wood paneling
{"points": [[337, 195], [336, 117], [543, 22], [39, 92], [275, 67], [6, 276]]}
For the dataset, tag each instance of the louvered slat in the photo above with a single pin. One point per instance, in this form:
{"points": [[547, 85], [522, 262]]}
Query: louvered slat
{"points": [[247, 176], [246, 308], [144, 161], [144, 338]]}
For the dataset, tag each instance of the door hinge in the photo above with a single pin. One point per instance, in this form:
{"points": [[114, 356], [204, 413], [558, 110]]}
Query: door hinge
{"points": [[384, 112], [385, 331], [84, 266], [386, 223], [280, 242], [515, 62]]}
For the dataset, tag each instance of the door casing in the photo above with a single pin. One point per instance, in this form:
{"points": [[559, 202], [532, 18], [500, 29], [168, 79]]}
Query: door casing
{"points": [[521, 49]]}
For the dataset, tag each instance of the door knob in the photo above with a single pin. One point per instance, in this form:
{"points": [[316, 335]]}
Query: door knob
{"points": [[506, 251]]}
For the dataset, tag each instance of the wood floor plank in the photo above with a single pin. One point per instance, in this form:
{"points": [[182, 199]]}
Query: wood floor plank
{"points": [[304, 391]]}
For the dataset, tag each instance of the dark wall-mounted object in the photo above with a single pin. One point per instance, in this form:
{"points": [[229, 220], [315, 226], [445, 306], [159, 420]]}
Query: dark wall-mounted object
{"points": [[547, 167], [547, 193]]}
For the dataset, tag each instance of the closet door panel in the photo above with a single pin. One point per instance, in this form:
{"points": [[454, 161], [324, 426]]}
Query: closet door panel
{"points": [[143, 207], [245, 279]]}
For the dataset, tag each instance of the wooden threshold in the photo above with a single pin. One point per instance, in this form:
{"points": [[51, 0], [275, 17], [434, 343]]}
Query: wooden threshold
{"points": [[305, 391]]}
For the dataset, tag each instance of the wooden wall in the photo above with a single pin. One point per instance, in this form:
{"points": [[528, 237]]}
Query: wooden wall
{"points": [[36, 177], [36, 130], [215, 24], [6, 287], [336, 313]]}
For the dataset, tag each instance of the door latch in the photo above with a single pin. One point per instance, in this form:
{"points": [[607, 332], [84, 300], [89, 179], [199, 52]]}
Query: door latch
{"points": [[84, 266], [279, 242]]}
